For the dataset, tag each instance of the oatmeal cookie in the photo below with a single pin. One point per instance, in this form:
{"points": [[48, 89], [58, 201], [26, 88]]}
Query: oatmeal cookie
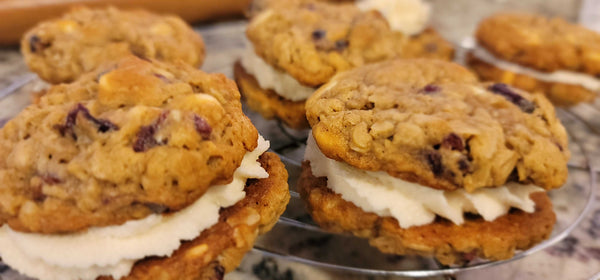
{"points": [[258, 6], [268, 103], [312, 42], [132, 138], [430, 122], [561, 94], [449, 243], [62, 49], [221, 248], [546, 44]]}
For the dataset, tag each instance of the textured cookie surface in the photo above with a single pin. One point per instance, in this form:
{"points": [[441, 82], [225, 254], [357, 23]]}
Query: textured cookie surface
{"points": [[220, 248], [431, 122], [559, 93], [258, 6], [61, 50], [314, 41], [268, 103], [133, 138], [449, 243], [541, 43]]}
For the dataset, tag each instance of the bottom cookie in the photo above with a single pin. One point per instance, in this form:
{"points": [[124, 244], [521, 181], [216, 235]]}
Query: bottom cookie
{"points": [[221, 248], [449, 243], [267, 102], [559, 93]]}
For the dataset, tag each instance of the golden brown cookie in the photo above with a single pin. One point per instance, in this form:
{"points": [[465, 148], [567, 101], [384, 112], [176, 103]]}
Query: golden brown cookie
{"points": [[221, 248], [449, 243], [547, 44], [132, 138], [62, 49], [310, 41], [313, 42], [561, 94], [258, 6], [430, 122], [268, 103], [536, 53]]}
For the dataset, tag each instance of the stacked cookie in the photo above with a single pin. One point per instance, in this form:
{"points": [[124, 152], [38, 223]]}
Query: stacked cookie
{"points": [[420, 158], [61, 50], [540, 54], [154, 162], [296, 48]]}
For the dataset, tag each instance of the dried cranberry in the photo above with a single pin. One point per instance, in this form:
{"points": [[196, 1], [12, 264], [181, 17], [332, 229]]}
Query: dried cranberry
{"points": [[50, 179], [431, 88], [202, 127], [103, 125], [464, 165], [36, 44], [318, 34], [504, 90], [219, 272], [145, 137], [453, 142], [435, 162]]}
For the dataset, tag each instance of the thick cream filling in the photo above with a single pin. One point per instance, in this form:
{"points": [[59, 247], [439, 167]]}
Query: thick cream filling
{"points": [[113, 250], [407, 16], [567, 77], [413, 204], [270, 78]]}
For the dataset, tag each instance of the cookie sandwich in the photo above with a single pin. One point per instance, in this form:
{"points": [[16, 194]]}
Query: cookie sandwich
{"points": [[420, 158], [61, 50], [138, 170], [539, 54], [297, 48]]}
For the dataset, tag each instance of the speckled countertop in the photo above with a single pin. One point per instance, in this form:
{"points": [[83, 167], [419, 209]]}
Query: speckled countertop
{"points": [[575, 257]]}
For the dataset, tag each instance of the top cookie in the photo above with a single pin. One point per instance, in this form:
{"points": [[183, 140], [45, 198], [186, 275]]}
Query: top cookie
{"points": [[132, 138], [431, 122], [541, 43], [314, 41], [61, 50]]}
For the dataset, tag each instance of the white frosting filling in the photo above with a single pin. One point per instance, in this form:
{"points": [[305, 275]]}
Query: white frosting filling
{"points": [[270, 78], [410, 203], [568, 77], [407, 16], [112, 250]]}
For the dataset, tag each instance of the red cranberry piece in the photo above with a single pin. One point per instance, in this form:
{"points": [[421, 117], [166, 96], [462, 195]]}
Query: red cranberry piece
{"points": [[71, 121], [464, 165], [202, 127], [435, 162], [145, 137], [504, 90], [318, 34], [431, 88], [36, 44], [219, 272], [453, 142], [50, 179]]}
